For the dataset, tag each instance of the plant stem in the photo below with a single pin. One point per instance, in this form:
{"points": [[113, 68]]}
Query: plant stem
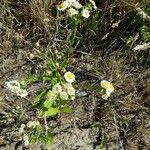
{"points": [[46, 127]]}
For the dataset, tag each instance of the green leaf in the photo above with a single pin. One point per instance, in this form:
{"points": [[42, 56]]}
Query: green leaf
{"points": [[67, 110], [51, 111], [48, 103], [38, 98]]}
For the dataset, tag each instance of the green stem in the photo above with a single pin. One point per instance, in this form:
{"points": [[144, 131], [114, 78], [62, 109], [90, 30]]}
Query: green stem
{"points": [[45, 121]]}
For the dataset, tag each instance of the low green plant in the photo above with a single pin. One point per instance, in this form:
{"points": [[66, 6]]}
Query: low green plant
{"points": [[59, 91]]}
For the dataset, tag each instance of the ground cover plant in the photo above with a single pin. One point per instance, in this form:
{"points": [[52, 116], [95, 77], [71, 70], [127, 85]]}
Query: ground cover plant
{"points": [[74, 74]]}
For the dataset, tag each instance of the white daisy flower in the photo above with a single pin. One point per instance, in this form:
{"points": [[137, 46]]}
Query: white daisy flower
{"points": [[51, 95], [93, 3], [85, 13], [14, 86], [70, 1], [57, 88], [70, 90], [105, 84], [71, 12], [110, 88], [69, 76], [64, 95], [76, 4], [64, 5]]}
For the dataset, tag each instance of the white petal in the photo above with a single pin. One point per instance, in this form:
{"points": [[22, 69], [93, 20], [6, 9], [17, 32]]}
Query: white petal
{"points": [[105, 96], [93, 3], [71, 12], [77, 5], [85, 13]]}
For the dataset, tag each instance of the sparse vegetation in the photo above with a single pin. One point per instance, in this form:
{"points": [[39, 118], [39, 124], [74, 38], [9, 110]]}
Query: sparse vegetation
{"points": [[75, 74]]}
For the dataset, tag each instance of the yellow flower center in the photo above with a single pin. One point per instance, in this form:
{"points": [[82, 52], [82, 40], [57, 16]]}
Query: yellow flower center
{"points": [[70, 76], [62, 5], [111, 87], [105, 84]]}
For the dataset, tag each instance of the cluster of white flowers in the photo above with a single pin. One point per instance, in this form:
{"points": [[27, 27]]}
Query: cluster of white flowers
{"points": [[144, 46], [30, 124], [73, 7], [68, 4], [14, 86], [69, 92], [109, 88], [64, 91], [26, 140], [24, 135]]}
